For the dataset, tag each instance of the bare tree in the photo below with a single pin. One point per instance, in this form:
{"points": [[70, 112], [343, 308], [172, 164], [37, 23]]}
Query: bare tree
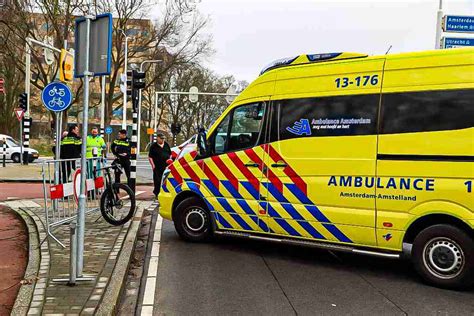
{"points": [[193, 115], [182, 41], [46, 21]]}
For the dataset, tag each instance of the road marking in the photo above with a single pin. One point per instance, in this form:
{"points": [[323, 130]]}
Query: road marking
{"points": [[153, 267], [152, 272], [157, 236], [147, 310], [155, 251], [149, 296]]}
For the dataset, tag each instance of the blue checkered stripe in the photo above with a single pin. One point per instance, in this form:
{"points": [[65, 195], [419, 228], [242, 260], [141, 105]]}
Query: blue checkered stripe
{"points": [[246, 213]]}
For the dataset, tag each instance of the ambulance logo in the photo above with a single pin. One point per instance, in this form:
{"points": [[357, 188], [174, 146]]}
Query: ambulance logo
{"points": [[387, 237], [301, 127]]}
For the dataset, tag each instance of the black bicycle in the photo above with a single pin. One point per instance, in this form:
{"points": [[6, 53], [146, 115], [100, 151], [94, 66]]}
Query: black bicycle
{"points": [[117, 203]]}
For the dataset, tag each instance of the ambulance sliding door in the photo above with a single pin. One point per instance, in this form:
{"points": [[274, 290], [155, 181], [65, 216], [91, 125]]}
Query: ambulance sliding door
{"points": [[321, 153]]}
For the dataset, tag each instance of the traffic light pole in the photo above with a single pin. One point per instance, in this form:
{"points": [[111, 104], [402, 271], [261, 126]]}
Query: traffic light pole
{"points": [[29, 42], [140, 103], [133, 144], [135, 84]]}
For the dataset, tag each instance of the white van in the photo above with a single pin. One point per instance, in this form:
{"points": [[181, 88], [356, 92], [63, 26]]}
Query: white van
{"points": [[14, 150]]}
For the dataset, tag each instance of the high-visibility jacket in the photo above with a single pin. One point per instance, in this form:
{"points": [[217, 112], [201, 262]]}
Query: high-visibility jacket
{"points": [[121, 146], [94, 142], [71, 146]]}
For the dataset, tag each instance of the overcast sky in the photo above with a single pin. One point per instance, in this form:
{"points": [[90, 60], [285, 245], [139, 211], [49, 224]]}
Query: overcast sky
{"points": [[249, 34]]}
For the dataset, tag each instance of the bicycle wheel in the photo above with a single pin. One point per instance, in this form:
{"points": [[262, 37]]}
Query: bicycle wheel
{"points": [[117, 204]]}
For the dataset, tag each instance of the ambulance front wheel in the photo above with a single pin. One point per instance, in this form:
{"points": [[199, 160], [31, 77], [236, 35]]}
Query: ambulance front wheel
{"points": [[192, 220], [443, 255]]}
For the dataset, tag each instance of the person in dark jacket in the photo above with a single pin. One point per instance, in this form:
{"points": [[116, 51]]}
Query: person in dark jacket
{"points": [[70, 149], [53, 149], [121, 149], [159, 153]]}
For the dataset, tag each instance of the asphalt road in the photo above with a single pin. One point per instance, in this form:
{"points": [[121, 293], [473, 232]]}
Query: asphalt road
{"points": [[235, 276]]}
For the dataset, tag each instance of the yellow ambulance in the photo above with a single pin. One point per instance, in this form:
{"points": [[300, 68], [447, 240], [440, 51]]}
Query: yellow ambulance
{"points": [[343, 151]]}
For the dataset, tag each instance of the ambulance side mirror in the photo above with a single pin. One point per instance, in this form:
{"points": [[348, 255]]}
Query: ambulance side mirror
{"points": [[201, 144]]}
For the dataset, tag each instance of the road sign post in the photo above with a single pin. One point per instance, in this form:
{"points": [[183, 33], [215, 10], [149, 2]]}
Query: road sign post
{"points": [[93, 50], [19, 113], [56, 96]]}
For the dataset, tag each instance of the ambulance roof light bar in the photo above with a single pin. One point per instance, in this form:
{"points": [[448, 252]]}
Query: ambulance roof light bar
{"points": [[310, 58]]}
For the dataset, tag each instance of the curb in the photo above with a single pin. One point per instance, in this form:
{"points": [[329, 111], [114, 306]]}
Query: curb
{"points": [[38, 259], [21, 180], [110, 299]]}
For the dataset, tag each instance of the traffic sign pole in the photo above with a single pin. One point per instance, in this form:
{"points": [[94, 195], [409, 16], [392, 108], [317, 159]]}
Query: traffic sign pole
{"points": [[102, 107], [439, 19], [21, 142], [81, 219], [91, 59]]}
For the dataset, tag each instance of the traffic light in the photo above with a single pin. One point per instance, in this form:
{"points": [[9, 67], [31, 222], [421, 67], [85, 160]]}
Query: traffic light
{"points": [[175, 128], [129, 83], [138, 80], [66, 69], [23, 102], [137, 83]]}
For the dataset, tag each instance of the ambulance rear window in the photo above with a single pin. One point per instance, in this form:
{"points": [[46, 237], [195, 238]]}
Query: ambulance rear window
{"points": [[427, 111]]}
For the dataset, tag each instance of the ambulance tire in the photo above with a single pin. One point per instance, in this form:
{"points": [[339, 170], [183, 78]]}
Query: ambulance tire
{"points": [[192, 220], [443, 256]]}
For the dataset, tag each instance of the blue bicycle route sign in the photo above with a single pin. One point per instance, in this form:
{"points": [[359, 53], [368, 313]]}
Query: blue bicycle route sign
{"points": [[456, 23], [56, 96], [108, 130]]}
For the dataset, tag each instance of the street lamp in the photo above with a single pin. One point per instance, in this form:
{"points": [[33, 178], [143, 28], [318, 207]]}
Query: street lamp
{"points": [[124, 109], [151, 61]]}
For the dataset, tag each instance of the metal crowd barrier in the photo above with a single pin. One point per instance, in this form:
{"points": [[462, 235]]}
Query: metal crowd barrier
{"points": [[61, 189]]}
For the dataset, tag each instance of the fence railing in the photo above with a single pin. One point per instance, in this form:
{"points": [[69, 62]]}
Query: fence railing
{"points": [[61, 189]]}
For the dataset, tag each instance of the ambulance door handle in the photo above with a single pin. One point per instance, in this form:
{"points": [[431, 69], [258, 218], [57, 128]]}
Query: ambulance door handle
{"points": [[252, 164], [279, 165]]}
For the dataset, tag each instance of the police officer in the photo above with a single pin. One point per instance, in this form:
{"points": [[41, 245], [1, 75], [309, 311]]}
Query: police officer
{"points": [[70, 148], [121, 149]]}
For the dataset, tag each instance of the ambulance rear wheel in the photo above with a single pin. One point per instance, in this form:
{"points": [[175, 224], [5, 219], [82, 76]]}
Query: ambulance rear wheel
{"points": [[443, 255], [192, 220]]}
